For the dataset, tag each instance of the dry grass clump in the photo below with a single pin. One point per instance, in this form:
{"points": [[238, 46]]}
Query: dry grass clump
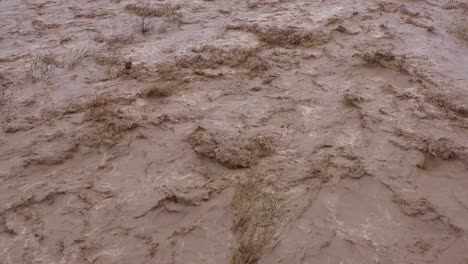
{"points": [[76, 56], [41, 67], [146, 10], [257, 215], [285, 37]]}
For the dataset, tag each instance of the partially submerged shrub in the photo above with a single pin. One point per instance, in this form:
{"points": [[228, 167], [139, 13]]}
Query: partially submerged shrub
{"points": [[146, 10], [285, 36], [210, 57], [257, 215], [233, 151], [41, 67], [109, 123], [109, 58], [441, 148], [452, 105], [112, 61], [450, 4], [145, 26], [115, 41], [461, 29], [158, 91], [377, 57], [76, 56], [352, 99]]}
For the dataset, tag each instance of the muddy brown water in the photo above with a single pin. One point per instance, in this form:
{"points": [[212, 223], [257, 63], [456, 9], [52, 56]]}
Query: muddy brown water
{"points": [[352, 116]]}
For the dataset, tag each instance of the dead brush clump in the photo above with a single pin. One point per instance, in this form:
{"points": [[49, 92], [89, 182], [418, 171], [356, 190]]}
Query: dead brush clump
{"points": [[159, 90], [413, 206], [449, 4], [94, 14], [39, 25], [145, 10], [376, 58], [340, 163], [256, 219], [144, 26], [3, 79], [211, 57], [170, 72], [285, 37], [449, 104], [109, 58], [347, 165], [109, 122], [385, 59], [115, 41], [170, 21], [97, 102], [252, 4], [231, 151], [452, 4], [351, 98], [441, 148], [104, 103], [256, 66]]}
